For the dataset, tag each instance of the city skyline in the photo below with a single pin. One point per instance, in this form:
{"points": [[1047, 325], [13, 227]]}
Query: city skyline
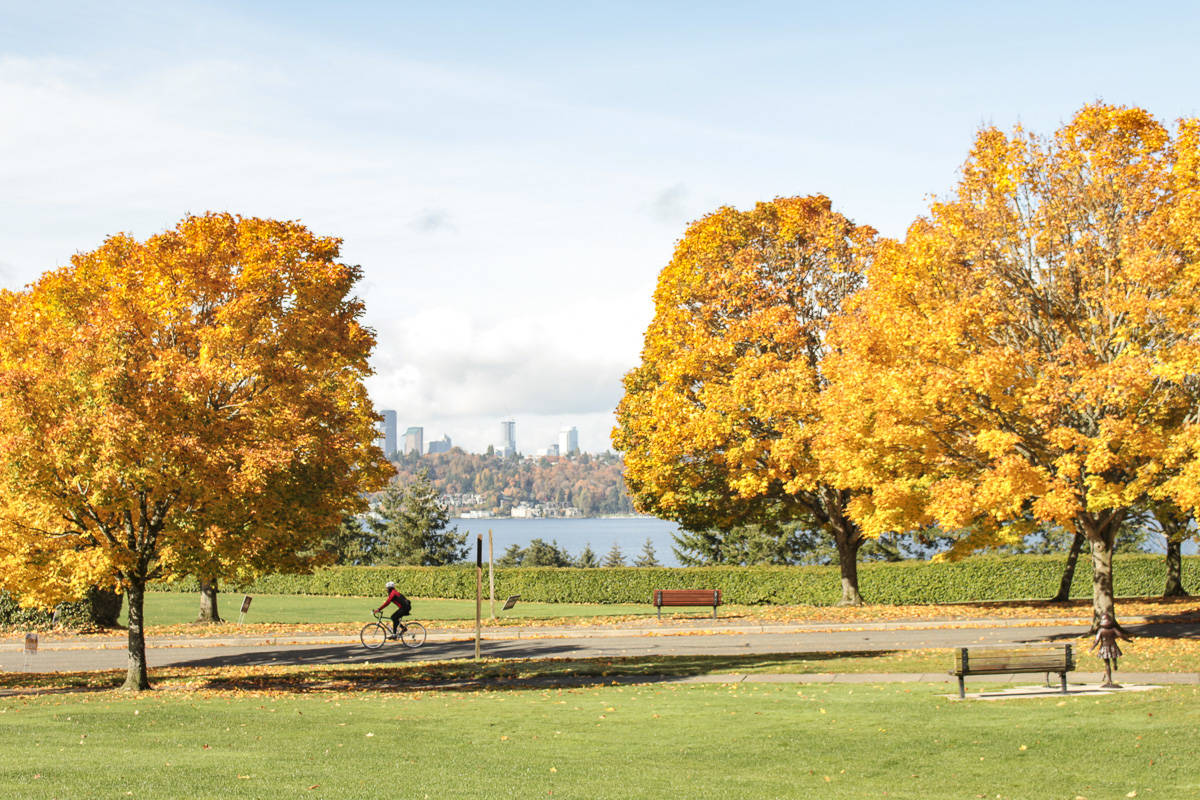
{"points": [[512, 180], [566, 442]]}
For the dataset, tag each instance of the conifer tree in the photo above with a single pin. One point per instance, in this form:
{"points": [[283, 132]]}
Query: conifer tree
{"points": [[411, 526], [587, 559], [615, 557], [647, 558]]}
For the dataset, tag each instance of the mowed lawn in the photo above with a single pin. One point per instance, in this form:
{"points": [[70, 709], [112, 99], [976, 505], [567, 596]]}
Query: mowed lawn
{"points": [[174, 608], [660, 740]]}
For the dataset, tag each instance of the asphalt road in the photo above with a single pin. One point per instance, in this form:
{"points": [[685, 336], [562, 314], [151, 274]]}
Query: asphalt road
{"points": [[577, 644]]}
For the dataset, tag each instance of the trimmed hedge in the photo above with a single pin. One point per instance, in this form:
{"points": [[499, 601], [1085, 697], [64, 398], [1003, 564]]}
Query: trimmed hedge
{"points": [[900, 583], [96, 609]]}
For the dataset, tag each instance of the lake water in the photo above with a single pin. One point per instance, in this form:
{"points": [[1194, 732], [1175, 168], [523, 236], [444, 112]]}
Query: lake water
{"points": [[573, 534]]}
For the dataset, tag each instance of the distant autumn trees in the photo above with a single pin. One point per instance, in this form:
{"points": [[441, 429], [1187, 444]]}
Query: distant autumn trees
{"points": [[1028, 356], [590, 483], [191, 404]]}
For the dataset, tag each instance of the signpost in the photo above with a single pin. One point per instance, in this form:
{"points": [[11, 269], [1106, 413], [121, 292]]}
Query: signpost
{"points": [[478, 590], [245, 608], [31, 641], [491, 576]]}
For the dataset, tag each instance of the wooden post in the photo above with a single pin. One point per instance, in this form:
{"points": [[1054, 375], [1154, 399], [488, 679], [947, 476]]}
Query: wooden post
{"points": [[491, 576], [478, 590]]}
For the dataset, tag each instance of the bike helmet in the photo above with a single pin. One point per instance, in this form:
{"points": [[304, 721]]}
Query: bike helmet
{"points": [[391, 585]]}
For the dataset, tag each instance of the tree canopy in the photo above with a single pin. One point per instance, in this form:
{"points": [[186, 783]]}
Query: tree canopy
{"points": [[719, 421], [1028, 354], [190, 404]]}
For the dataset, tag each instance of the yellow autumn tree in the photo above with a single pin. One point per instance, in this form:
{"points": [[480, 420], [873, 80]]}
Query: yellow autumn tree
{"points": [[190, 404], [717, 423], [1029, 353]]}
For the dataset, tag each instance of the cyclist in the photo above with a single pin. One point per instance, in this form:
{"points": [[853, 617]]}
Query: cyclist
{"points": [[403, 607]]}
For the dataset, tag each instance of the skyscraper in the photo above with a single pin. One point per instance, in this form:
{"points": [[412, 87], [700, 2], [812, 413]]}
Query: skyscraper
{"points": [[442, 445], [508, 437], [568, 441], [414, 441], [387, 433]]}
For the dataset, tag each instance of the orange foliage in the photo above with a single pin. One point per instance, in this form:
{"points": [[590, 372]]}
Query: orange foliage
{"points": [[1030, 352], [191, 403], [719, 420]]}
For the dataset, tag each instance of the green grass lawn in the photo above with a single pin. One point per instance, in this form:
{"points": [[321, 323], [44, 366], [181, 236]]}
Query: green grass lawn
{"points": [[758, 741], [174, 608]]}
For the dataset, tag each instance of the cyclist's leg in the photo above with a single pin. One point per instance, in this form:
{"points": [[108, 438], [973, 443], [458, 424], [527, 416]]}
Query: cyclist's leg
{"points": [[403, 627], [396, 621]]}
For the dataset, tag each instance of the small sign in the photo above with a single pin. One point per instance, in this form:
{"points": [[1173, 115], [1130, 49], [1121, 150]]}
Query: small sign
{"points": [[511, 601], [31, 643], [246, 604]]}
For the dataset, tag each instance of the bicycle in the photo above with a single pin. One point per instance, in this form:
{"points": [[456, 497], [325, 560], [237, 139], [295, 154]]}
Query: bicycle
{"points": [[375, 634]]}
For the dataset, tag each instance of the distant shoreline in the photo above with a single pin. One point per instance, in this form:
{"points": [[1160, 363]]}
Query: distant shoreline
{"points": [[600, 516]]}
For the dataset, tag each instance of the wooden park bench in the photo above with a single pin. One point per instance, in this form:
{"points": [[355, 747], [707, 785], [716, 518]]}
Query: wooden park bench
{"points": [[1045, 658], [687, 597]]}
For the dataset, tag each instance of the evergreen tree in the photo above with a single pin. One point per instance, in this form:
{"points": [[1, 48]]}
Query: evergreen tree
{"points": [[513, 556], [647, 557], [587, 559], [410, 524], [615, 557], [541, 554], [350, 543], [753, 544]]}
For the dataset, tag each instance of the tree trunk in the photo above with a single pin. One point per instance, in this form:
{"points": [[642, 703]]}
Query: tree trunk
{"points": [[1174, 587], [136, 679], [1101, 531], [208, 601], [848, 540], [1068, 576], [1103, 601]]}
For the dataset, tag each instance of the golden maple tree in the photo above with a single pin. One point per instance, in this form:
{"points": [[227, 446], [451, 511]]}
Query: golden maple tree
{"points": [[190, 404], [718, 422], [1029, 353]]}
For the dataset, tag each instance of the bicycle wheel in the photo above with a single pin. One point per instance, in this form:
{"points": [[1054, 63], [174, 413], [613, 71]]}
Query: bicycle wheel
{"points": [[414, 636], [373, 635]]}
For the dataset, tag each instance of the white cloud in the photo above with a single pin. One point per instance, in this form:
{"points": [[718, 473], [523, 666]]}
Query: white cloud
{"points": [[668, 206]]}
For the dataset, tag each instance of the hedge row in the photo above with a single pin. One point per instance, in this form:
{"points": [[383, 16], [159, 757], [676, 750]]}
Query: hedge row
{"points": [[96, 609], [981, 578]]}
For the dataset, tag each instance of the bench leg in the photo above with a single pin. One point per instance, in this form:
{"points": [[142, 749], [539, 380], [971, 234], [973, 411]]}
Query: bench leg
{"points": [[660, 613], [1063, 675], [962, 688], [714, 612]]}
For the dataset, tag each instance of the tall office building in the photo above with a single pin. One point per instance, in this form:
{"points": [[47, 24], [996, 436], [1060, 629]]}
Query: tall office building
{"points": [[414, 441], [440, 445], [387, 433], [568, 441], [508, 437]]}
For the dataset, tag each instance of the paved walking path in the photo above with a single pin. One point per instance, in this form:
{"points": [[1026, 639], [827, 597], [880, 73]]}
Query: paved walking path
{"points": [[693, 637]]}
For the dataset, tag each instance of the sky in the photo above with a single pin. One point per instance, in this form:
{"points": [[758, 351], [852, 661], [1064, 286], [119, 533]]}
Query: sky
{"points": [[513, 176]]}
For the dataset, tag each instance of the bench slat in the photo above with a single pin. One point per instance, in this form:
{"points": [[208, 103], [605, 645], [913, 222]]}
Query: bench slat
{"points": [[686, 597], [1000, 661]]}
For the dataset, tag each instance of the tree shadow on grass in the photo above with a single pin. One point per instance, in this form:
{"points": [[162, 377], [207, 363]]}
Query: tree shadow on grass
{"points": [[399, 676]]}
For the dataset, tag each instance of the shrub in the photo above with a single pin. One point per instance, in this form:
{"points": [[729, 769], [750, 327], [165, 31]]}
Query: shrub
{"points": [[1024, 577], [97, 609]]}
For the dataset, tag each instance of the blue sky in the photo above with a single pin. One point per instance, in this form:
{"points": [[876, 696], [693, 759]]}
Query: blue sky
{"points": [[512, 177]]}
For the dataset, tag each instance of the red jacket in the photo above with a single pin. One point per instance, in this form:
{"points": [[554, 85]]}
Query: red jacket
{"points": [[393, 597]]}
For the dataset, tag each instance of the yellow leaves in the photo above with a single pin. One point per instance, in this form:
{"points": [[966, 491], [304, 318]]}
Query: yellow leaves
{"points": [[1015, 352], [174, 381], [723, 407], [996, 443]]}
